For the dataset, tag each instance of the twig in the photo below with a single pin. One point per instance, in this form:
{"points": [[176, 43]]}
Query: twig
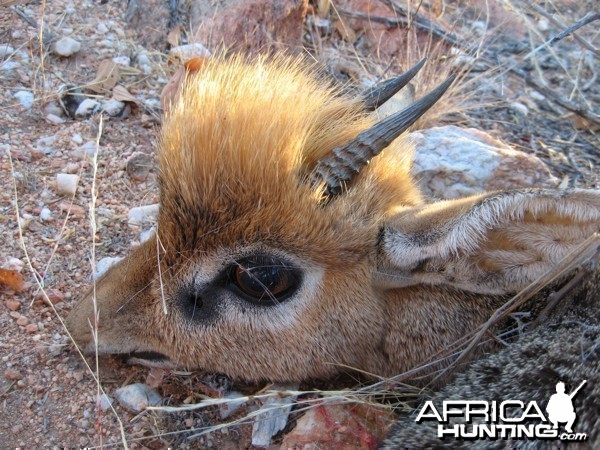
{"points": [[393, 22], [557, 23]]}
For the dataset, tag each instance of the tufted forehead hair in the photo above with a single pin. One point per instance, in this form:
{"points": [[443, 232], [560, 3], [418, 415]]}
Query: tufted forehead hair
{"points": [[241, 139]]}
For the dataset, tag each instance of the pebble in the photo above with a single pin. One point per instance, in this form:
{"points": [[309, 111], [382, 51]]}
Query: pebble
{"points": [[104, 264], [189, 51], [25, 98], [138, 166], [77, 139], [53, 296], [66, 184], [45, 214], [137, 397], [13, 305], [145, 235], [141, 214], [9, 65], [53, 108], [105, 402], [67, 46], [22, 321], [102, 29], [520, 108], [89, 147], [52, 118], [124, 61], [87, 107], [113, 107], [6, 50], [12, 374], [31, 328]]}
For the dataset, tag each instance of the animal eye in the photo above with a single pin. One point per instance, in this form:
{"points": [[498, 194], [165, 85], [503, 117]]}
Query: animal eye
{"points": [[264, 280]]}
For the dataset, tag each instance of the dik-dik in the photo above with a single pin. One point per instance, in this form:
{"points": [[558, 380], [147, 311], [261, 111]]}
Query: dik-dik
{"points": [[292, 241]]}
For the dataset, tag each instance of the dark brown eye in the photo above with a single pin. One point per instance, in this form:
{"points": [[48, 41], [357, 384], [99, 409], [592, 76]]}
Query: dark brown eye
{"points": [[264, 280]]}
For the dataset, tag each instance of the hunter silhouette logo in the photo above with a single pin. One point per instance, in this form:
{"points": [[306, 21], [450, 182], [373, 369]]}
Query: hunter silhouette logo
{"points": [[560, 407], [509, 419]]}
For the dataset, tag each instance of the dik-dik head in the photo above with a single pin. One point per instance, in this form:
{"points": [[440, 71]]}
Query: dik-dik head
{"points": [[281, 254]]}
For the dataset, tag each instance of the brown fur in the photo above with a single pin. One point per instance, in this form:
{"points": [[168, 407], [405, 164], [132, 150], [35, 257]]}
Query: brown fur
{"points": [[389, 281]]}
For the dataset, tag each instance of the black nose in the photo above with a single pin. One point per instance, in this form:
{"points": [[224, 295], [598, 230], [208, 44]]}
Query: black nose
{"points": [[192, 301]]}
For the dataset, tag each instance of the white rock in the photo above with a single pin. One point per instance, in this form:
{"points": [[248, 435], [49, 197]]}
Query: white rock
{"points": [[77, 138], [6, 50], [143, 59], [25, 98], [272, 417], [143, 214], [113, 107], [519, 108], [105, 402], [189, 51], [235, 401], [145, 235], [452, 162], [101, 28], [66, 46], [543, 24], [87, 108], [104, 264], [9, 65], [44, 144], [55, 119], [137, 397], [53, 108], [124, 61], [45, 214], [89, 147], [66, 183]]}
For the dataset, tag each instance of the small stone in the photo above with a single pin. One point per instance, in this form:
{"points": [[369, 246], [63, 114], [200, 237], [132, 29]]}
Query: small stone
{"points": [[145, 235], [17, 429], [25, 98], [22, 321], [13, 305], [66, 183], [31, 328], [138, 166], [53, 108], [55, 350], [124, 61], [50, 296], [520, 108], [87, 108], [77, 139], [137, 397], [78, 375], [104, 264], [102, 29], [113, 107], [12, 374], [52, 118], [142, 214], [105, 402], [9, 65], [89, 147], [6, 50], [66, 46], [189, 51], [45, 214], [543, 24]]}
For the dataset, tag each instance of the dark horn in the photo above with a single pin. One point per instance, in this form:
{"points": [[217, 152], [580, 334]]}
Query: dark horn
{"points": [[383, 91], [338, 168]]}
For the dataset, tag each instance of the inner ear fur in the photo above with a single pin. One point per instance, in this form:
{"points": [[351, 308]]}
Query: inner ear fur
{"points": [[494, 243]]}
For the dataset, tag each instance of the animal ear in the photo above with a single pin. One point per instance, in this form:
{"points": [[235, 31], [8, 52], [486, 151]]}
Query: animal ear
{"points": [[493, 243]]}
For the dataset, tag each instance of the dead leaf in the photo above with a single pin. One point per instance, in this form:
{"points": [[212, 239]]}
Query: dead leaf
{"points": [[344, 30], [107, 77], [121, 94], [174, 36], [171, 90], [12, 279]]}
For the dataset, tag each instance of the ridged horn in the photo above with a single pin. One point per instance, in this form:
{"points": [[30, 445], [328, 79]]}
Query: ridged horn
{"points": [[380, 93], [344, 162]]}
